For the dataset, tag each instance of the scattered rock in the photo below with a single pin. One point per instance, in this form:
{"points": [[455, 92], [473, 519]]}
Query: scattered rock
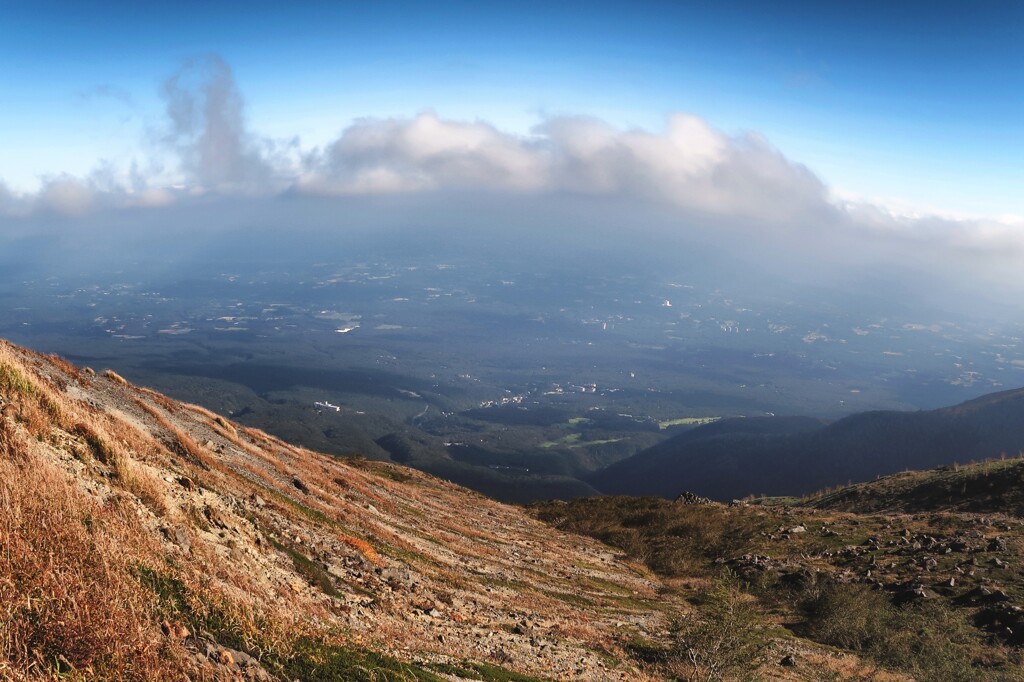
{"points": [[215, 518], [175, 630], [1005, 620], [914, 593], [996, 544], [984, 595], [178, 536], [800, 578]]}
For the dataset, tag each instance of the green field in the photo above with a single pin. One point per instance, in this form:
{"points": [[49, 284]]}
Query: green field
{"points": [[573, 441], [687, 421]]}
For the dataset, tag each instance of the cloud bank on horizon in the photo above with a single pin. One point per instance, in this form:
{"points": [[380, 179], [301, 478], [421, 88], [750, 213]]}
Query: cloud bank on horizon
{"points": [[204, 149]]}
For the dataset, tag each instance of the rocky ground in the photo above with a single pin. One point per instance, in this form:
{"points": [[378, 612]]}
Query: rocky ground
{"points": [[971, 561], [936, 595]]}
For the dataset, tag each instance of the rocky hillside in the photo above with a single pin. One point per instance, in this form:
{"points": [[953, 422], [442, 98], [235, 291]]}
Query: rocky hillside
{"points": [[145, 539], [927, 596]]}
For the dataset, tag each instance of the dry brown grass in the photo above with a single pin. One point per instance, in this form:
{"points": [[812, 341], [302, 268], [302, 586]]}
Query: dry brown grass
{"points": [[226, 425], [223, 427], [363, 547], [150, 527], [74, 597], [68, 599], [212, 416], [146, 486], [99, 445], [84, 585], [199, 409], [65, 367], [115, 377], [160, 399], [182, 442], [9, 438], [139, 443], [32, 402]]}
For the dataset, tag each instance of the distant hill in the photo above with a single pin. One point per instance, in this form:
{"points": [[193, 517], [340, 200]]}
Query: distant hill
{"points": [[796, 456]]}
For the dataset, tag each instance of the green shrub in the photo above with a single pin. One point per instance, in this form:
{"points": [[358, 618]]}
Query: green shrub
{"points": [[724, 640], [930, 640], [313, 661]]}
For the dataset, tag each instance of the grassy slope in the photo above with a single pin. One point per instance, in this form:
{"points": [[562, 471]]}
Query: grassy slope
{"points": [[143, 539], [993, 486]]}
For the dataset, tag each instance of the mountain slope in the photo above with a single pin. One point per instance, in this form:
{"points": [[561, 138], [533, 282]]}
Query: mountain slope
{"points": [[929, 595], [141, 538], [990, 487], [795, 456]]}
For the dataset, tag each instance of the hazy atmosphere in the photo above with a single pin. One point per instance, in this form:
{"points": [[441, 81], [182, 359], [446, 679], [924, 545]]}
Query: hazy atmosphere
{"points": [[512, 341], [544, 218], [826, 145]]}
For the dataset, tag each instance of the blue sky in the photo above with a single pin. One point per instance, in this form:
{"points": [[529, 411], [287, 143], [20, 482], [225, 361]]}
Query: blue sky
{"points": [[911, 102]]}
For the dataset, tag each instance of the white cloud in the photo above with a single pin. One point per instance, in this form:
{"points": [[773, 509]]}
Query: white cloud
{"points": [[7, 199], [68, 195], [425, 153], [103, 189], [206, 130], [689, 166]]}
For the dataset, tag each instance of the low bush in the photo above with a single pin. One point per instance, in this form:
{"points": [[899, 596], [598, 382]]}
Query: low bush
{"points": [[722, 640], [929, 640]]}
